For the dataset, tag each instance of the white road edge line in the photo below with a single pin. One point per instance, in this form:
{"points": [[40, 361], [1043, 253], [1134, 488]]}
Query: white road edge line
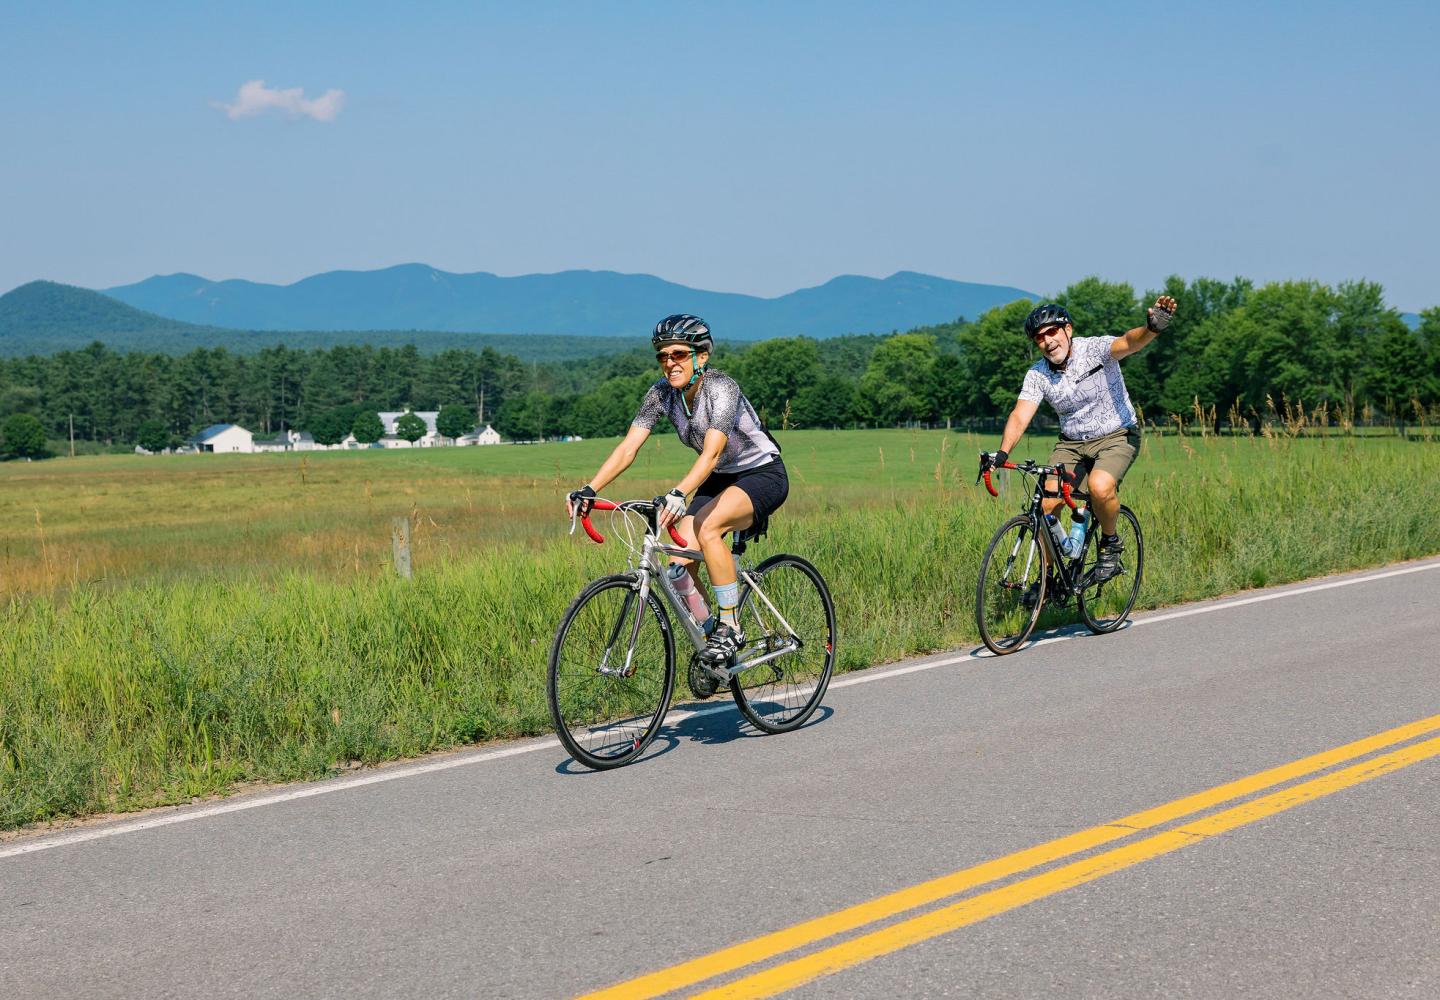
{"points": [[530, 746]]}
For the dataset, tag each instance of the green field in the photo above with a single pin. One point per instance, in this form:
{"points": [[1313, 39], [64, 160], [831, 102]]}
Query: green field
{"points": [[175, 626]]}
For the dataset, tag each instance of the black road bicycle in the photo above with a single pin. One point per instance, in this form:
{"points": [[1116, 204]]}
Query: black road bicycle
{"points": [[612, 664], [1024, 566]]}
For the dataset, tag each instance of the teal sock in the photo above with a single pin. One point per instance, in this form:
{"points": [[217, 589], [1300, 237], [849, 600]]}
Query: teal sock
{"points": [[727, 599]]}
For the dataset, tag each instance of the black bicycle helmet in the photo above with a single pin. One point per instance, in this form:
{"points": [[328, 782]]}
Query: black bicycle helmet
{"points": [[682, 328], [1050, 314]]}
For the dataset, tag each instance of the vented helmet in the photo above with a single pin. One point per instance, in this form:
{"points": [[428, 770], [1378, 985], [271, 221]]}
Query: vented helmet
{"points": [[682, 328], [1050, 314]]}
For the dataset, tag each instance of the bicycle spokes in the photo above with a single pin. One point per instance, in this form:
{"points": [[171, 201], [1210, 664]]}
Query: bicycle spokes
{"points": [[1011, 588], [789, 623], [611, 673]]}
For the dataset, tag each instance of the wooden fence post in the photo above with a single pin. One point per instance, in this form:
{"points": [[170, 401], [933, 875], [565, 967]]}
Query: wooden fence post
{"points": [[400, 545]]}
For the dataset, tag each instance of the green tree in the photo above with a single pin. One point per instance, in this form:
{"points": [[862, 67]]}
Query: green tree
{"points": [[410, 427], [1429, 334], [454, 421], [332, 426], [1175, 369], [153, 436], [22, 436], [899, 383], [608, 409], [1101, 308], [829, 402], [1283, 342], [1393, 369], [774, 372], [995, 354], [524, 418], [367, 427]]}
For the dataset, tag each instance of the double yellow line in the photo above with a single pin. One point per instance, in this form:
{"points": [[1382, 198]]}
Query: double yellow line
{"points": [[972, 909]]}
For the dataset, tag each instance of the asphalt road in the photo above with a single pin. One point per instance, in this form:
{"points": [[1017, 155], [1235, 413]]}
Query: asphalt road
{"points": [[511, 874]]}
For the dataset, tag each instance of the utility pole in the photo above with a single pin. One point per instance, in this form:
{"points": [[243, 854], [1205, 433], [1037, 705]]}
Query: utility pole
{"points": [[72, 435]]}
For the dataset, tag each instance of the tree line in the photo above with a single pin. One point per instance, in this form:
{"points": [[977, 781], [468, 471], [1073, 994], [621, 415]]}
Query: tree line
{"points": [[1233, 349]]}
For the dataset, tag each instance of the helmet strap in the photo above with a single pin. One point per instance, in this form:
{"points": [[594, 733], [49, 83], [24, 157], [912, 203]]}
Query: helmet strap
{"points": [[698, 370]]}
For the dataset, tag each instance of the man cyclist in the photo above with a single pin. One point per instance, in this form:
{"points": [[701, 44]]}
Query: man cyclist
{"points": [[738, 479], [1099, 433]]}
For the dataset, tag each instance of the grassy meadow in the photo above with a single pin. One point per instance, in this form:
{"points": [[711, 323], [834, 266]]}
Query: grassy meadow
{"points": [[174, 626]]}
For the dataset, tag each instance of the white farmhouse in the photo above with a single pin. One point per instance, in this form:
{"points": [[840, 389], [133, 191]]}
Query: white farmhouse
{"points": [[224, 438], [288, 441], [432, 438], [488, 436]]}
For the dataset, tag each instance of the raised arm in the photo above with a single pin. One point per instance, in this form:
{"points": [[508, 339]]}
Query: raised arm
{"points": [[1157, 317]]}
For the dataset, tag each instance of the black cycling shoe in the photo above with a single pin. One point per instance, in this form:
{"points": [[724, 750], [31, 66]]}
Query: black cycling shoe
{"points": [[702, 683], [724, 643], [1108, 565]]}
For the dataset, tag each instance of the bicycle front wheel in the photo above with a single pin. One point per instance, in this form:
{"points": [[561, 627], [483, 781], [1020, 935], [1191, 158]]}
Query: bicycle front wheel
{"points": [[791, 611], [612, 672], [1106, 606], [1011, 588]]}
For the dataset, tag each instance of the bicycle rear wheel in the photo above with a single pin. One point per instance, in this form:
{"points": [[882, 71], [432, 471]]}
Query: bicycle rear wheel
{"points": [[1106, 606], [1011, 588], [791, 606], [606, 702]]}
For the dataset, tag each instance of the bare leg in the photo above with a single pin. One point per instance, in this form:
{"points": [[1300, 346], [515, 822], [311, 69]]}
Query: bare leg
{"points": [[1105, 499], [730, 511]]}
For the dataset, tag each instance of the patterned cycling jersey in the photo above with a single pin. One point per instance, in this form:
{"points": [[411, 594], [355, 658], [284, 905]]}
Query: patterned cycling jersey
{"points": [[720, 404], [1088, 393]]}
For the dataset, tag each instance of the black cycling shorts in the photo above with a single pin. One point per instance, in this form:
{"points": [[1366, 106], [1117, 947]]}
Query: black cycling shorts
{"points": [[767, 486]]}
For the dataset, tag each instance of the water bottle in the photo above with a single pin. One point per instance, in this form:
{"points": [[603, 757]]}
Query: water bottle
{"points": [[1079, 525], [685, 586], [1056, 532]]}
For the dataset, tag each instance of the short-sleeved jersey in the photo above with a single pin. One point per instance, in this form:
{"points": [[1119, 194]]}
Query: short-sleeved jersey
{"points": [[720, 404], [1088, 393]]}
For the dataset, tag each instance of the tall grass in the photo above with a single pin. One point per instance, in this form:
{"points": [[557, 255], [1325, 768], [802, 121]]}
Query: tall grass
{"points": [[118, 697]]}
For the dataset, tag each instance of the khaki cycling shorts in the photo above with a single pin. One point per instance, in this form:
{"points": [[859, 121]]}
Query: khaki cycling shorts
{"points": [[1113, 453]]}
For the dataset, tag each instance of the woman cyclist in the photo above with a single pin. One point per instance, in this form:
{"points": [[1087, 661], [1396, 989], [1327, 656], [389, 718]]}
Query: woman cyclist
{"points": [[738, 480]]}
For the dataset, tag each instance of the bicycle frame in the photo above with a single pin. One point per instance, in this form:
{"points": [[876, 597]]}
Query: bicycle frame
{"points": [[649, 572], [1065, 570]]}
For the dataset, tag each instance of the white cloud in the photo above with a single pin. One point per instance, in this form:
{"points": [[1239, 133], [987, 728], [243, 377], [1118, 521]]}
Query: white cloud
{"points": [[254, 98]]}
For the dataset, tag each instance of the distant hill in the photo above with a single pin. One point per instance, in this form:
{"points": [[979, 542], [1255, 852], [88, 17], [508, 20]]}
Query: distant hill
{"points": [[588, 303], [44, 317]]}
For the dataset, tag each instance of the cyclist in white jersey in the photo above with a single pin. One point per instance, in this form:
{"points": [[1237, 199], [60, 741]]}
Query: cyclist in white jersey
{"points": [[1099, 433], [738, 479]]}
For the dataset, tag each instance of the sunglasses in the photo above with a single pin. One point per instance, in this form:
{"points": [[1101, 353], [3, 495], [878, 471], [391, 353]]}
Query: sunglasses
{"points": [[672, 357], [1042, 334]]}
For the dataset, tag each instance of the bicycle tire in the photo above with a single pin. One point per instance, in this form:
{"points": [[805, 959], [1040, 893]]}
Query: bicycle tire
{"points": [[1105, 613], [607, 720], [1001, 616], [780, 695]]}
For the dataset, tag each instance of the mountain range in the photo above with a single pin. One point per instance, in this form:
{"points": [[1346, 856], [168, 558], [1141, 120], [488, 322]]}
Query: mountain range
{"points": [[44, 317], [585, 303]]}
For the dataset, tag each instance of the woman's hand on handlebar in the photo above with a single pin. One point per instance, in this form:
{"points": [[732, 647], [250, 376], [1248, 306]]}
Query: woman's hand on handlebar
{"points": [[579, 502], [669, 508]]}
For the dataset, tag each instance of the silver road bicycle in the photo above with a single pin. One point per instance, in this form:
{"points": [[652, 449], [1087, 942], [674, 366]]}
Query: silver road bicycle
{"points": [[612, 664]]}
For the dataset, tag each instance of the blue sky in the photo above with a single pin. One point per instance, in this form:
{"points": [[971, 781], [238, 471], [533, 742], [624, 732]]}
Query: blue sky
{"points": [[740, 147]]}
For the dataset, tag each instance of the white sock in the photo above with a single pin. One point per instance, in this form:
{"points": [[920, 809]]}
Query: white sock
{"points": [[727, 600]]}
